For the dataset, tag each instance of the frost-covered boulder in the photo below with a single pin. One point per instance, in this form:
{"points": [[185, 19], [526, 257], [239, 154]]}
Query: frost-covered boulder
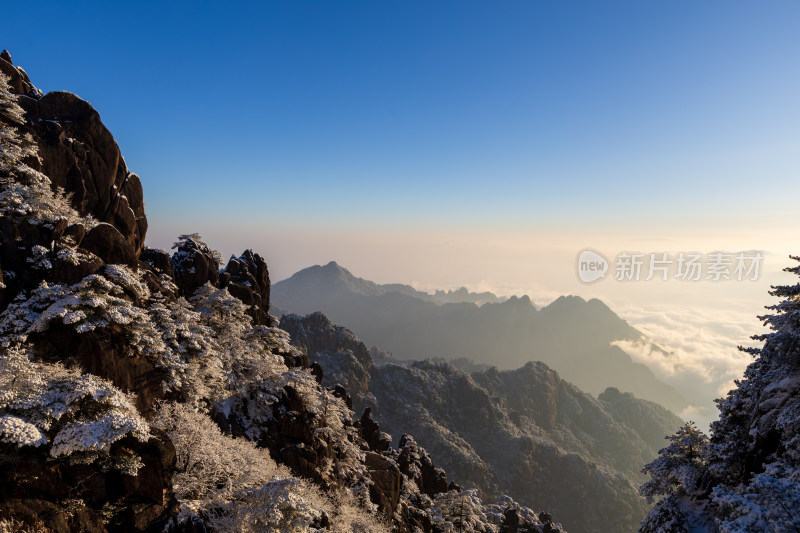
{"points": [[194, 264], [106, 242]]}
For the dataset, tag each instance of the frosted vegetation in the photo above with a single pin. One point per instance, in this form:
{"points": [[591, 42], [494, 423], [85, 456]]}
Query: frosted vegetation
{"points": [[68, 412], [24, 191], [238, 487], [214, 359], [746, 476]]}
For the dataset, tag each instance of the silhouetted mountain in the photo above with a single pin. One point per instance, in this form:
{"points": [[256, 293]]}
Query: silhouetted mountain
{"points": [[524, 432], [463, 295], [333, 280], [572, 335]]}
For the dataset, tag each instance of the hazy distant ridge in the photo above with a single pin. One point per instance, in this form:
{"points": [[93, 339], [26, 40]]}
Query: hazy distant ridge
{"points": [[571, 335]]}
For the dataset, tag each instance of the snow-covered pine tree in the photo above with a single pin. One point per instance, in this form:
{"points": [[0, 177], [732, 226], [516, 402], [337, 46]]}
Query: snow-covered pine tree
{"points": [[754, 455], [678, 466], [737, 442], [748, 475], [25, 192], [14, 148]]}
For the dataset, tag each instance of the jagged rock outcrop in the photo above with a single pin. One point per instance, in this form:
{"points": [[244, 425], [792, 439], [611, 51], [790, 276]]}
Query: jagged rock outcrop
{"points": [[372, 434], [159, 261], [417, 464], [344, 358], [78, 153], [247, 278], [387, 481], [193, 264], [18, 78]]}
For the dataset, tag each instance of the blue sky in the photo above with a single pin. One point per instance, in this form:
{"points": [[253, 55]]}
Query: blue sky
{"points": [[454, 114]]}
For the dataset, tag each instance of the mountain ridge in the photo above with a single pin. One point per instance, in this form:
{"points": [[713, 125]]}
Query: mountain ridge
{"points": [[512, 431], [573, 335], [335, 275]]}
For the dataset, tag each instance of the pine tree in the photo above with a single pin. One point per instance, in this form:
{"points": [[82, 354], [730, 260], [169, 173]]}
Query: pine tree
{"points": [[14, 148], [24, 191], [735, 435], [678, 466], [749, 472]]}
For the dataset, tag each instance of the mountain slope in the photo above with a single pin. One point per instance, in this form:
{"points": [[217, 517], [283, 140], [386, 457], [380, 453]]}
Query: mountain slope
{"points": [[571, 335], [524, 432]]}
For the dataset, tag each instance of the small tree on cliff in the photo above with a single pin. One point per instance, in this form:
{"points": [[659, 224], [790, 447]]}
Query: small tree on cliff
{"points": [[24, 191], [678, 466], [14, 148]]}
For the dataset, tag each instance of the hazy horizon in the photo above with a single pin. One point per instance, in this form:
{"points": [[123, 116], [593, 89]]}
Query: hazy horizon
{"points": [[700, 322]]}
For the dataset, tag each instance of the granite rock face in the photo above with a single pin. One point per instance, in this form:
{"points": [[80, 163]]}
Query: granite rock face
{"points": [[247, 278], [79, 154]]}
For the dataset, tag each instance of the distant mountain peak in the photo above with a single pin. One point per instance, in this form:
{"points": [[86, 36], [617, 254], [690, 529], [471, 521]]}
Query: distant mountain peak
{"points": [[568, 300], [327, 271], [523, 300], [333, 276], [333, 265], [335, 268]]}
